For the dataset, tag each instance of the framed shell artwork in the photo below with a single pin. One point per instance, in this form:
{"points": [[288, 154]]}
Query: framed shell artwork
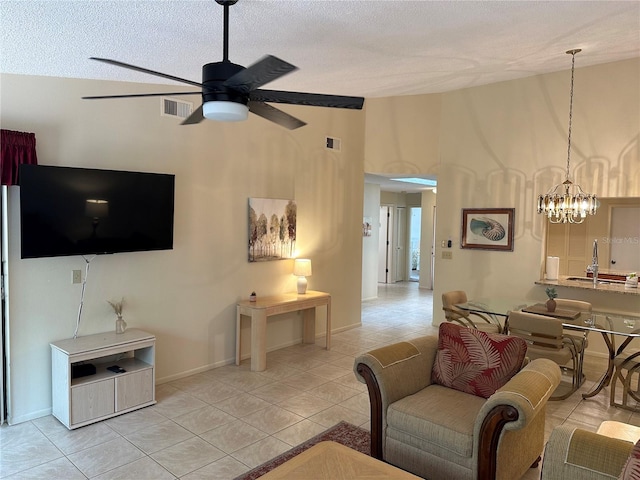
{"points": [[488, 228]]}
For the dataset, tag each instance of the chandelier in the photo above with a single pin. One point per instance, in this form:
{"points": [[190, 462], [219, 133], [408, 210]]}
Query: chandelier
{"points": [[567, 202]]}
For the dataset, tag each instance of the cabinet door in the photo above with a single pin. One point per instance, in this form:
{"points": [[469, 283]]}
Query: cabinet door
{"points": [[134, 389], [92, 400]]}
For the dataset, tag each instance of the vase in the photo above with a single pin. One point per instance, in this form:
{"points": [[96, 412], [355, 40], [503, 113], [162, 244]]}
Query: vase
{"points": [[551, 305], [121, 325]]}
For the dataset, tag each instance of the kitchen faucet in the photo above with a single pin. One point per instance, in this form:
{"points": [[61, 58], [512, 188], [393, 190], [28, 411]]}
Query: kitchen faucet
{"points": [[594, 263]]}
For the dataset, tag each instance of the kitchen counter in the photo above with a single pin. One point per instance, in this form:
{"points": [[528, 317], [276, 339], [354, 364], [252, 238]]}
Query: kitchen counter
{"points": [[584, 283]]}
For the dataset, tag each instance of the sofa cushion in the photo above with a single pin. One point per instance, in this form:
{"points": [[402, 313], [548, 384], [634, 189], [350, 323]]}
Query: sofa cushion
{"points": [[631, 468], [476, 362], [437, 419]]}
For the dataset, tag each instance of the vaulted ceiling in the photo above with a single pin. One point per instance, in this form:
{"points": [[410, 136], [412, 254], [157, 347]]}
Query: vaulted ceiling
{"points": [[364, 48]]}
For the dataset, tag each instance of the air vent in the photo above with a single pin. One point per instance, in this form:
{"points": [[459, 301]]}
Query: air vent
{"points": [[333, 144], [170, 107]]}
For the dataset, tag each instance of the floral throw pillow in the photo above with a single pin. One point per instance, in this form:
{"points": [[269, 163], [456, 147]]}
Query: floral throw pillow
{"points": [[631, 470], [476, 362]]}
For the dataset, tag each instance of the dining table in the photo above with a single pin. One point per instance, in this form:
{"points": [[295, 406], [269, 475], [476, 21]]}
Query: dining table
{"points": [[609, 324]]}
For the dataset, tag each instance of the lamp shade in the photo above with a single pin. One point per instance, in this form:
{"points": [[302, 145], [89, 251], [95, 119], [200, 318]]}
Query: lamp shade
{"points": [[96, 208], [225, 111], [302, 267]]}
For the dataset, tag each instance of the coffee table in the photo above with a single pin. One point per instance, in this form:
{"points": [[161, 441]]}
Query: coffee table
{"points": [[623, 431], [333, 461]]}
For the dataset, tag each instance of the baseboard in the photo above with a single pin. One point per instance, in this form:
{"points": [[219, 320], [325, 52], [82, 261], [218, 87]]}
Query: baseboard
{"points": [[229, 361], [13, 420], [344, 329], [193, 371]]}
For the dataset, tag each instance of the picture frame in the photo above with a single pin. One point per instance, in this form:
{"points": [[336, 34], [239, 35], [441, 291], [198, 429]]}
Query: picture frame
{"points": [[272, 229], [367, 224], [488, 228]]}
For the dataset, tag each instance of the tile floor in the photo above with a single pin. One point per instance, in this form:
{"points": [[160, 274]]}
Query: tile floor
{"points": [[221, 423]]}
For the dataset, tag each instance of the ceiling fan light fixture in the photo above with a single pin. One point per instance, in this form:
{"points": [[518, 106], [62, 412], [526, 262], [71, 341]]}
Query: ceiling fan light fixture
{"points": [[224, 111]]}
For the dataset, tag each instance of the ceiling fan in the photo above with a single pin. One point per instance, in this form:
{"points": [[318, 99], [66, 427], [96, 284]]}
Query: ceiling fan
{"points": [[230, 91]]}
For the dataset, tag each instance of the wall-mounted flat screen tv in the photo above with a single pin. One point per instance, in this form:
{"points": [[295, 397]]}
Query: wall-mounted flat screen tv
{"points": [[80, 211]]}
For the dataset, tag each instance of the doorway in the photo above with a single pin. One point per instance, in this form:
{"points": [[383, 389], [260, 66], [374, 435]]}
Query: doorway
{"points": [[385, 252], [625, 232], [399, 242], [393, 262], [415, 227]]}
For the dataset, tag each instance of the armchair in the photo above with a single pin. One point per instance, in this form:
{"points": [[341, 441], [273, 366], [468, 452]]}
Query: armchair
{"points": [[576, 454], [438, 432]]}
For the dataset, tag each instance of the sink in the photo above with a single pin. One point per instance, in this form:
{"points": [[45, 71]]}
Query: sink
{"points": [[601, 282]]}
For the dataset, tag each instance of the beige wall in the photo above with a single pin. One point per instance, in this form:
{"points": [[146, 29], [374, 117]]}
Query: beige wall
{"points": [[492, 146], [402, 134], [185, 296], [371, 210], [429, 200], [503, 144], [500, 145]]}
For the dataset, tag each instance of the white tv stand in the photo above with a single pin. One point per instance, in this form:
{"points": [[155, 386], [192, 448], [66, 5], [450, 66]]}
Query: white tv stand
{"points": [[84, 400]]}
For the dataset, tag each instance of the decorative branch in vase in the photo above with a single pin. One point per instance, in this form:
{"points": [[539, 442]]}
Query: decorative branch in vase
{"points": [[121, 325], [551, 303]]}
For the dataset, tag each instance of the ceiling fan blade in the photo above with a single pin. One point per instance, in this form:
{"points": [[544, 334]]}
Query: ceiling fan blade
{"points": [[145, 70], [195, 117], [260, 73], [311, 99], [134, 95], [275, 115]]}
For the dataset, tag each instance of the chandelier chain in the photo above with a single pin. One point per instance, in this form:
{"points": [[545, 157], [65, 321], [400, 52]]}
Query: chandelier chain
{"points": [[573, 62]]}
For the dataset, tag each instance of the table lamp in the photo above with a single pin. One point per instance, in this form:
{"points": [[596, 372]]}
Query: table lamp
{"points": [[302, 269]]}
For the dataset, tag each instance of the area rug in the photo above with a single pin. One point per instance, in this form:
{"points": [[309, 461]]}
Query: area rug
{"points": [[348, 435]]}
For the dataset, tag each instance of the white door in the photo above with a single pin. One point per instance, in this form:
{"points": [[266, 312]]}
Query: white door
{"points": [[384, 244], [433, 249], [401, 262], [4, 334], [625, 239]]}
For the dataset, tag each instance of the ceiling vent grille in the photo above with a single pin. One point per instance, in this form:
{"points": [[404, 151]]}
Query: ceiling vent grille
{"points": [[170, 107], [333, 144]]}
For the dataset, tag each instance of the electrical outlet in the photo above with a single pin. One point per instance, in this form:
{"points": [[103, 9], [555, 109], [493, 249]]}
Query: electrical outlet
{"points": [[448, 255], [76, 276]]}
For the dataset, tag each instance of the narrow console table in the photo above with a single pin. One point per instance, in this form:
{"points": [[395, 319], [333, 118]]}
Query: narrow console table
{"points": [[260, 310], [104, 394]]}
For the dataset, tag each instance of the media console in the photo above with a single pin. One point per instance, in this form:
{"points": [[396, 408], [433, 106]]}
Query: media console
{"points": [[83, 400]]}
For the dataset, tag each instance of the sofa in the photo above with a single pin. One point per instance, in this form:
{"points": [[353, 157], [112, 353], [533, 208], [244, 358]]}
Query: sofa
{"points": [[438, 432], [577, 454]]}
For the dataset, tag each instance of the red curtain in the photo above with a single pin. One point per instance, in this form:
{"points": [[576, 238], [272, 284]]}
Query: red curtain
{"points": [[15, 148]]}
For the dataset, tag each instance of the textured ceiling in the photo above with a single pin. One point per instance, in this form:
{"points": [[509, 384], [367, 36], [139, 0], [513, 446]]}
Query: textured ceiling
{"points": [[364, 48]]}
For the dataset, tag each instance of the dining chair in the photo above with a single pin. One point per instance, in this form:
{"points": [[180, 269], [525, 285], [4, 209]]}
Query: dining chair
{"points": [[626, 364], [581, 341], [464, 317], [545, 339]]}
